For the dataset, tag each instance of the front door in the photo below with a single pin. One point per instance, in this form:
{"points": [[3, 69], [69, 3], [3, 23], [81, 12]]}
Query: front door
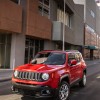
{"points": [[73, 68]]}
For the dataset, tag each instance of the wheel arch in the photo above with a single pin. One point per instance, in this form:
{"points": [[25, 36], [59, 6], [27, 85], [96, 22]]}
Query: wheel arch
{"points": [[65, 78], [85, 71]]}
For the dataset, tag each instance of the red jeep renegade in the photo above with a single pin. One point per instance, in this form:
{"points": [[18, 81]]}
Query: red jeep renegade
{"points": [[50, 73]]}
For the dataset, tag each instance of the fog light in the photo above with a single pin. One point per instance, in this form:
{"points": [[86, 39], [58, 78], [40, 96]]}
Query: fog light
{"points": [[45, 92]]}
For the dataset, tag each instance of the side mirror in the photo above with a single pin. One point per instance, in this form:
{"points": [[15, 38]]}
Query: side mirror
{"points": [[73, 62]]}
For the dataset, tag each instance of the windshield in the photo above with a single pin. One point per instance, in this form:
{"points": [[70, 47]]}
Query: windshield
{"points": [[49, 58]]}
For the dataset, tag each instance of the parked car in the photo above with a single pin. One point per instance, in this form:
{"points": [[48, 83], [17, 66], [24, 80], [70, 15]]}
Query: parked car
{"points": [[50, 74]]}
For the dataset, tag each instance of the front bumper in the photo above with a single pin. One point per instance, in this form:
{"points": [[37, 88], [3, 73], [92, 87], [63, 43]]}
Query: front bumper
{"points": [[37, 91]]}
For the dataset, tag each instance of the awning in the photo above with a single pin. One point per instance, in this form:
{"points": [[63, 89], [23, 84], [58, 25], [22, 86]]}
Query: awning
{"points": [[91, 47]]}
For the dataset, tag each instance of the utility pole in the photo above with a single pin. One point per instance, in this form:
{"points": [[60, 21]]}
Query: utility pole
{"points": [[64, 29]]}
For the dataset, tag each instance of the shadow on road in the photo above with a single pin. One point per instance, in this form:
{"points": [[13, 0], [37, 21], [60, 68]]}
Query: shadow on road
{"points": [[74, 90], [32, 98]]}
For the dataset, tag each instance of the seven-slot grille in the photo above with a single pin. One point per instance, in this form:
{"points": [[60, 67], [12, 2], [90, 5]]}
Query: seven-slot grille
{"points": [[29, 76]]}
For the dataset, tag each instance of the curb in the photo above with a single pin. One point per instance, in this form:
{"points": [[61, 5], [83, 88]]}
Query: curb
{"points": [[6, 79]]}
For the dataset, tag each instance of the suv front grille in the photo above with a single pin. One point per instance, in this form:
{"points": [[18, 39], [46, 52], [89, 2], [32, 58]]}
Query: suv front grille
{"points": [[29, 76]]}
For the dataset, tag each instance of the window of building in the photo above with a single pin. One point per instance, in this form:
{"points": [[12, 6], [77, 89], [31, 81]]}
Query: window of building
{"points": [[5, 48], [90, 36], [90, 29], [32, 47], [60, 17], [92, 14], [44, 8], [16, 1]]}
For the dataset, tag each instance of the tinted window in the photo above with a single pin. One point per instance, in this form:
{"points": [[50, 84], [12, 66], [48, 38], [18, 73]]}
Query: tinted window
{"points": [[56, 59], [15, 1], [50, 58], [71, 56], [77, 57]]}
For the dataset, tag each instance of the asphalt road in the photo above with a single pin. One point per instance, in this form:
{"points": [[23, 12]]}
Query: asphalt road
{"points": [[90, 92]]}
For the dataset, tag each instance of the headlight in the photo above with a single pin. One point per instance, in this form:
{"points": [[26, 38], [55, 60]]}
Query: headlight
{"points": [[15, 73], [45, 76]]}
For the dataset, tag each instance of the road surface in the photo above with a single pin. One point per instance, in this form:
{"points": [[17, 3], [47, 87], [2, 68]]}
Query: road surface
{"points": [[90, 92]]}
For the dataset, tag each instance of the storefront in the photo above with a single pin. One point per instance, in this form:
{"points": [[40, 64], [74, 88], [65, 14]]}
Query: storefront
{"points": [[5, 49], [91, 52], [91, 48]]}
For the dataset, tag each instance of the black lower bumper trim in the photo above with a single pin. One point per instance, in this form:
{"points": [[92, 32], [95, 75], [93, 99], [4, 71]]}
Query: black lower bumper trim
{"points": [[37, 91]]}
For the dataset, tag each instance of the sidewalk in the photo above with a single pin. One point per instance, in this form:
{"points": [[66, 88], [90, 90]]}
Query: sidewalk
{"points": [[6, 74]]}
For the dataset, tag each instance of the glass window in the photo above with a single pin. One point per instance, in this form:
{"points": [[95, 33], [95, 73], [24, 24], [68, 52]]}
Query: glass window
{"points": [[15, 1], [7, 56], [77, 57], [60, 17], [26, 54], [50, 58], [44, 7], [46, 2], [90, 36], [92, 14], [33, 46], [56, 59], [71, 56], [2, 56], [2, 38], [5, 48]]}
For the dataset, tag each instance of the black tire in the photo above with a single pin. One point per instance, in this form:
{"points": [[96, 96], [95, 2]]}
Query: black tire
{"points": [[82, 83], [63, 91]]}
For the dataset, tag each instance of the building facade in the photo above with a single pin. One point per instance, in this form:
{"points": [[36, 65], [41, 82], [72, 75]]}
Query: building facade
{"points": [[29, 26], [91, 28], [92, 32]]}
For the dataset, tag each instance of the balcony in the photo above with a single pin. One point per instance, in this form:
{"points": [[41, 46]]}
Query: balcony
{"points": [[57, 34], [10, 17]]}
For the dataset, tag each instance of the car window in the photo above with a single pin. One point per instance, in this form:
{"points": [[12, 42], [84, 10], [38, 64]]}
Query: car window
{"points": [[71, 56], [49, 58], [56, 59], [40, 58], [80, 56], [77, 57]]}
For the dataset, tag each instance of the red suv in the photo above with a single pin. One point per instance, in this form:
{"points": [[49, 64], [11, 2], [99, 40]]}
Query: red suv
{"points": [[50, 73]]}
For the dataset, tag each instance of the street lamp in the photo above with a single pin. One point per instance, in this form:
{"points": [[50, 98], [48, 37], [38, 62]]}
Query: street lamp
{"points": [[64, 29]]}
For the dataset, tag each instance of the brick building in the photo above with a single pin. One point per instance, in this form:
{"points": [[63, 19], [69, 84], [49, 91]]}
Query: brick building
{"points": [[91, 28], [29, 26]]}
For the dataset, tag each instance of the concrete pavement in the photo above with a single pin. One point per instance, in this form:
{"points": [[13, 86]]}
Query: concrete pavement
{"points": [[6, 74], [90, 92]]}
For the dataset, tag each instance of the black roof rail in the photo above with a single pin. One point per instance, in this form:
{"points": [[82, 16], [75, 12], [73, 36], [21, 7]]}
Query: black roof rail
{"points": [[72, 51]]}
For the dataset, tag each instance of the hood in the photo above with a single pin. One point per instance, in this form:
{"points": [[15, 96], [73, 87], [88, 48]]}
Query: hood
{"points": [[39, 67]]}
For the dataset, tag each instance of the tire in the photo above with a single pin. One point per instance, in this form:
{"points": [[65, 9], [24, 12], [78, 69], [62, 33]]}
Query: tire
{"points": [[63, 91], [82, 83]]}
